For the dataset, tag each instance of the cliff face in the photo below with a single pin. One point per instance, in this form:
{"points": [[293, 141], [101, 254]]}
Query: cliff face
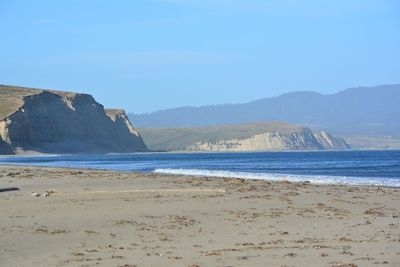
{"points": [[60, 122], [304, 140], [262, 136]]}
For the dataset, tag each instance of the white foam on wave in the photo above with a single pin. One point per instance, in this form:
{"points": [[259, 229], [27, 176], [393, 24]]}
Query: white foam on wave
{"points": [[27, 156], [317, 179]]}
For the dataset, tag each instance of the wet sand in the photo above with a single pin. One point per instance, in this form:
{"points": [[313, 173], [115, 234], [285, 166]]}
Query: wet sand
{"points": [[102, 218]]}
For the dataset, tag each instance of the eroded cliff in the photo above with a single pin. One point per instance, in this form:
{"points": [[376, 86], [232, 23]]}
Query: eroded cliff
{"points": [[262, 136], [49, 121], [304, 140]]}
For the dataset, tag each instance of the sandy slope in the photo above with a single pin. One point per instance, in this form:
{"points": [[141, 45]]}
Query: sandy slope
{"points": [[252, 223]]}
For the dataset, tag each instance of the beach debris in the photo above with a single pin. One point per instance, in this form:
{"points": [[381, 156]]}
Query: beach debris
{"points": [[35, 194], [375, 212], [49, 192], [344, 264], [56, 232], [41, 230], [174, 258], [7, 189], [117, 257]]}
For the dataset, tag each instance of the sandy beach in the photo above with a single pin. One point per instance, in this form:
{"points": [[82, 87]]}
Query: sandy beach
{"points": [[103, 218]]}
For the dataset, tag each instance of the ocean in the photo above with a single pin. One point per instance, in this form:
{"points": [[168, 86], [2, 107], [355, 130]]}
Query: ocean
{"points": [[380, 168]]}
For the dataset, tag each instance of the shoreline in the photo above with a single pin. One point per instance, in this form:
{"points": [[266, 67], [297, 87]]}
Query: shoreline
{"points": [[44, 154], [208, 176], [107, 218]]}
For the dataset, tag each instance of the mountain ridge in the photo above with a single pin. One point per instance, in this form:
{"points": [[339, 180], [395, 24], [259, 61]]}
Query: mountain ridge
{"points": [[358, 110]]}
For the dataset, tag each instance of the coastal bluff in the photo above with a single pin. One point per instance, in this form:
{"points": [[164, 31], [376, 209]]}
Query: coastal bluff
{"points": [[48, 121], [261, 136]]}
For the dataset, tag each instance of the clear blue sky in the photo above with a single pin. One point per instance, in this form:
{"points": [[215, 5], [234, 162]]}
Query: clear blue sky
{"points": [[145, 55]]}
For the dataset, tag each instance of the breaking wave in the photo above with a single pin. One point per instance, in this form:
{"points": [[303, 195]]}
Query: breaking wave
{"points": [[317, 179]]}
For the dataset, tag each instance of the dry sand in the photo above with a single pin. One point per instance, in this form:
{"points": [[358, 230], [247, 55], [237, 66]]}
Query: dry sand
{"points": [[101, 218]]}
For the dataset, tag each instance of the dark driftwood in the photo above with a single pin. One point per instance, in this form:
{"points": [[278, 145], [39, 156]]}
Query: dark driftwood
{"points": [[9, 189]]}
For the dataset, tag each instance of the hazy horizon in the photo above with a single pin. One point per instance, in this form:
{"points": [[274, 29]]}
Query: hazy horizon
{"points": [[260, 98], [150, 55]]}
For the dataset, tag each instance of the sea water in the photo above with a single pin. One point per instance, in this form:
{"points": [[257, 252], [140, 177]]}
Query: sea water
{"points": [[333, 167]]}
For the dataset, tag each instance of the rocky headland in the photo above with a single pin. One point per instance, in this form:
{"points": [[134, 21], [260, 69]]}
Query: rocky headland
{"points": [[262, 136], [48, 121]]}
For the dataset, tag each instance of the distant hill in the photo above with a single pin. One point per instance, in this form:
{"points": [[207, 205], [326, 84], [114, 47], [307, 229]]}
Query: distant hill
{"points": [[242, 137], [355, 111], [47, 121]]}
